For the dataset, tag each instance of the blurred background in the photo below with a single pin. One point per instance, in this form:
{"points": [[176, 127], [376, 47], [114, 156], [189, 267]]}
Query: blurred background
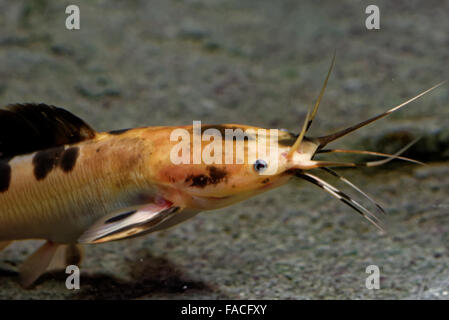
{"points": [[143, 63]]}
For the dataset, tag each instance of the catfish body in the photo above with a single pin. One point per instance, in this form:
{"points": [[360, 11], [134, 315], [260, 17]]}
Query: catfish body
{"points": [[62, 181]]}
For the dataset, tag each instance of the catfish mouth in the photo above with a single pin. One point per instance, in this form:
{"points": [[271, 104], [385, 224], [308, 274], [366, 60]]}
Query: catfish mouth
{"points": [[299, 168]]}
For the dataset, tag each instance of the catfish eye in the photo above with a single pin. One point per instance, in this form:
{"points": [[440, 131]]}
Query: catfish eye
{"points": [[260, 165]]}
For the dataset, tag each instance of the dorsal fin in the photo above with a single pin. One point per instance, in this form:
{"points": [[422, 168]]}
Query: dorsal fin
{"points": [[26, 128]]}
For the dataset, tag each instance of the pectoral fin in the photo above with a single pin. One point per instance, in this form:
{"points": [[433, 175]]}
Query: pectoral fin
{"points": [[129, 223]]}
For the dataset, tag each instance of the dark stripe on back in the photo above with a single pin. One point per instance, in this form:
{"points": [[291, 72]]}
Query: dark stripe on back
{"points": [[26, 128], [118, 132]]}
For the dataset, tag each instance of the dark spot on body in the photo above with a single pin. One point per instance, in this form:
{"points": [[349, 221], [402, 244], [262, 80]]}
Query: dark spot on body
{"points": [[200, 180], [118, 132], [120, 216], [45, 161], [5, 176], [68, 159], [215, 176], [265, 181]]}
